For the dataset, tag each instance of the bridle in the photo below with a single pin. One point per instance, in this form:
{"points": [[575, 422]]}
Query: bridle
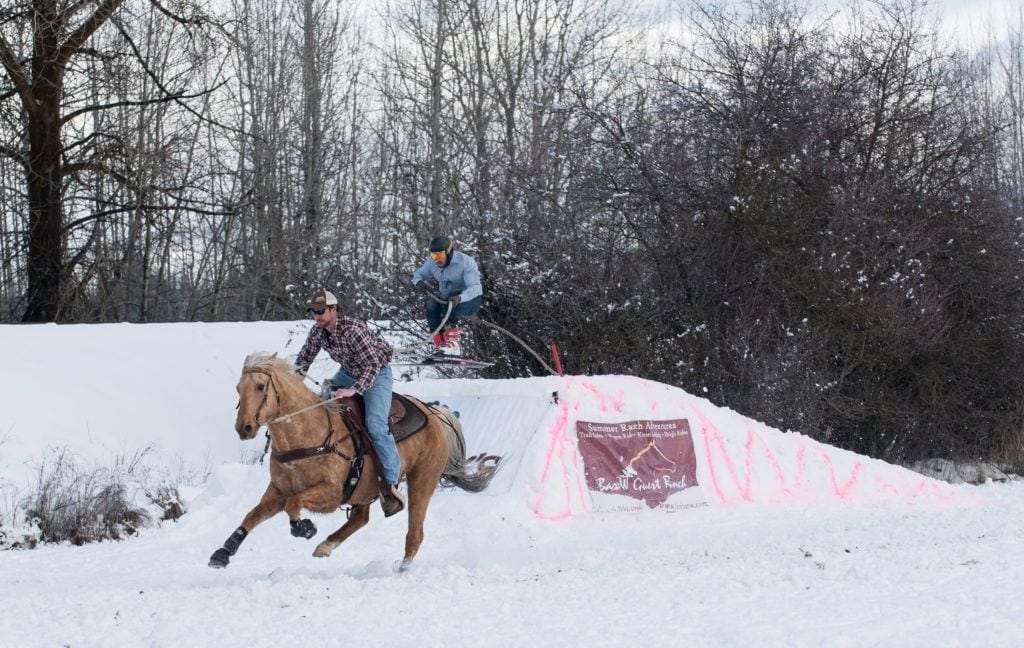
{"points": [[300, 453], [266, 392]]}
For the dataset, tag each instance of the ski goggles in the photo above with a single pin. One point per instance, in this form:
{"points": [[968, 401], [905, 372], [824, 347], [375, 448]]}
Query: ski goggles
{"points": [[438, 256]]}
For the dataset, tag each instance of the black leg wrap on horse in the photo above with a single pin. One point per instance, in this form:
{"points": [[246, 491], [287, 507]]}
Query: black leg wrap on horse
{"points": [[222, 556], [303, 528], [234, 540]]}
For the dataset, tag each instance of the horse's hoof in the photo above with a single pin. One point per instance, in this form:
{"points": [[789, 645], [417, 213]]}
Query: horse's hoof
{"points": [[303, 529], [220, 558], [323, 550]]}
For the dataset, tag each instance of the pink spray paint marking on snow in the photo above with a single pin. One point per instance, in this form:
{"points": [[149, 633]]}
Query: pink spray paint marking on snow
{"points": [[842, 492], [744, 486], [722, 469], [791, 474], [605, 401], [707, 430], [801, 465], [647, 386], [571, 447], [562, 450], [775, 464], [557, 430]]}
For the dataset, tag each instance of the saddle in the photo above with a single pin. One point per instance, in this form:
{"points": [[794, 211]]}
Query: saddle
{"points": [[404, 418]]}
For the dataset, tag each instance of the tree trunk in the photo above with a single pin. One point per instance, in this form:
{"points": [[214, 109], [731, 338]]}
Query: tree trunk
{"points": [[46, 217]]}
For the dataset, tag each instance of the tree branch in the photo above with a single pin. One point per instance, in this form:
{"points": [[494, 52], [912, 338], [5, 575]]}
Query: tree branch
{"points": [[21, 84], [196, 21], [14, 154], [85, 30], [159, 84], [93, 165], [121, 210], [127, 102]]}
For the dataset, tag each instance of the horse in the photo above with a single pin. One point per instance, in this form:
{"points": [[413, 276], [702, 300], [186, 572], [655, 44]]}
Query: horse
{"points": [[314, 451]]}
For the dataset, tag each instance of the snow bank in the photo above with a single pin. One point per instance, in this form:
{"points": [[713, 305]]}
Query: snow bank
{"points": [[735, 460], [568, 446]]}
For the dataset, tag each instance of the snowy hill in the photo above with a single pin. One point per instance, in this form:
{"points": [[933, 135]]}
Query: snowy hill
{"points": [[625, 512]]}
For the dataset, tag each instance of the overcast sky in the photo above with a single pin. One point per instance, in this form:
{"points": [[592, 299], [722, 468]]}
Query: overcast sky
{"points": [[971, 22], [972, 19]]}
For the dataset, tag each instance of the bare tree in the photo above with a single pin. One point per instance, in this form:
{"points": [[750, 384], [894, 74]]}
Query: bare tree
{"points": [[1011, 58], [292, 104], [41, 70], [815, 206]]}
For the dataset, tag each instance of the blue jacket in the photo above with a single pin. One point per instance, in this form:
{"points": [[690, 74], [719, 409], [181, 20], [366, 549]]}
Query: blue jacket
{"points": [[459, 277]]}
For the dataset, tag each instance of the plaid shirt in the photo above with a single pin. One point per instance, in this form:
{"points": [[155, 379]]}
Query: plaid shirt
{"points": [[359, 351]]}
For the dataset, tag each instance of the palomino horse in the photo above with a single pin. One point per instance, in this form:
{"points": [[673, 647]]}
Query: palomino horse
{"points": [[313, 451]]}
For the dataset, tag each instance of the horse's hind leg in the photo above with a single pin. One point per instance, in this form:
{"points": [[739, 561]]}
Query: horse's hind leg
{"points": [[421, 487], [357, 519]]}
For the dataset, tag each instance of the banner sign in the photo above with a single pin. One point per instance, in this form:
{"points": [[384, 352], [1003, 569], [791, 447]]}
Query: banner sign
{"points": [[648, 461]]}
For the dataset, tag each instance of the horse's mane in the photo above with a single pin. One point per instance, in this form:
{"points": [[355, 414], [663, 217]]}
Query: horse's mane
{"points": [[284, 369]]}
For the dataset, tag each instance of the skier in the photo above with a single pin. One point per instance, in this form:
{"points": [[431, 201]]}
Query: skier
{"points": [[458, 283]]}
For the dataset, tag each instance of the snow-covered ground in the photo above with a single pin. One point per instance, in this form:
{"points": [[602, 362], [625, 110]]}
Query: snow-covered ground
{"points": [[716, 529]]}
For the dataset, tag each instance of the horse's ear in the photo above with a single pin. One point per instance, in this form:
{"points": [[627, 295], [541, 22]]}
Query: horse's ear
{"points": [[273, 355]]}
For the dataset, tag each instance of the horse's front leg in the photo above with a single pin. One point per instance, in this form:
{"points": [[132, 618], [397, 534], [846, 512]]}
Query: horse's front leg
{"points": [[357, 519], [270, 504], [324, 498]]}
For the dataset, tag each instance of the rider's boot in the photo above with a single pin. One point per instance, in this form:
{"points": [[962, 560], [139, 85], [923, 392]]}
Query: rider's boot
{"points": [[391, 500], [452, 342], [438, 340]]}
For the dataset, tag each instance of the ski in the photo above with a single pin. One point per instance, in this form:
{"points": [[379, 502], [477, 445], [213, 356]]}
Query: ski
{"points": [[442, 361]]}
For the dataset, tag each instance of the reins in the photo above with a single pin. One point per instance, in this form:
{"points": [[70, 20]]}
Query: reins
{"points": [[288, 417], [300, 453], [283, 417]]}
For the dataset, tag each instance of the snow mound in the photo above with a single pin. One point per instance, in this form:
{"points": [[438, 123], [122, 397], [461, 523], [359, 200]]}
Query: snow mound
{"points": [[566, 445], [584, 445]]}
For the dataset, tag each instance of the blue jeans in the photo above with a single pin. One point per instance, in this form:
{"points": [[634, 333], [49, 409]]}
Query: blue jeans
{"points": [[377, 402], [435, 312]]}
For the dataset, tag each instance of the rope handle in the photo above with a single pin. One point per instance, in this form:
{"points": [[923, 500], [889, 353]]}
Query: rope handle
{"points": [[430, 337], [475, 318], [516, 339]]}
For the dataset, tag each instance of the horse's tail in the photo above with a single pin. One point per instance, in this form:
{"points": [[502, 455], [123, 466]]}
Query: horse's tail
{"points": [[456, 471]]}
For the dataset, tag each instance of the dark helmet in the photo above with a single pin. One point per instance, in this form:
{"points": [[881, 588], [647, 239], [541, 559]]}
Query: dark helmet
{"points": [[442, 244]]}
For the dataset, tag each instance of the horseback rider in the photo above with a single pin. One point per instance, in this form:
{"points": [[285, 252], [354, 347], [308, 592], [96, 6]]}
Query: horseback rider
{"points": [[363, 355], [458, 283]]}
